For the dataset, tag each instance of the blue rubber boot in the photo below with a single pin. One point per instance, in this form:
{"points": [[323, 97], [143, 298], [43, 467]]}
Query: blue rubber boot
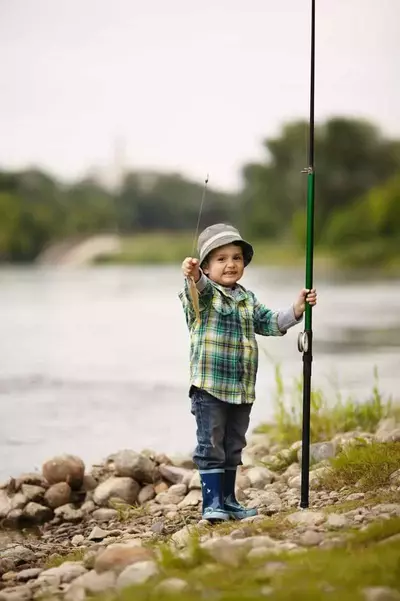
{"points": [[235, 510], [212, 491]]}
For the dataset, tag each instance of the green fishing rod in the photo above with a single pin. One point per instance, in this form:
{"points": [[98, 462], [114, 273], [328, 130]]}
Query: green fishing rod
{"points": [[305, 339]]}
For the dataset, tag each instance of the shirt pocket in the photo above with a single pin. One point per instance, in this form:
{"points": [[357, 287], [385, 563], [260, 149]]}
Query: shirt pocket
{"points": [[223, 305]]}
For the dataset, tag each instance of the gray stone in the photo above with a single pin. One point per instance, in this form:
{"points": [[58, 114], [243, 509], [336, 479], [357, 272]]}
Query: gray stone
{"points": [[355, 496], [178, 489], [117, 557], [390, 508], [28, 574], [33, 492], [319, 451], [37, 514], [77, 540], [98, 533], [173, 474], [310, 538], [195, 481], [131, 464], [306, 518], [69, 513], [192, 499], [66, 572], [91, 583], [18, 593], [146, 494], [181, 537], [171, 586], [18, 501], [119, 488], [104, 514], [336, 520], [5, 504], [135, 574], [260, 476]]}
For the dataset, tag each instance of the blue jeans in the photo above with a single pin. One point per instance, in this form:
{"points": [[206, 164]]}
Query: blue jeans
{"points": [[221, 431]]}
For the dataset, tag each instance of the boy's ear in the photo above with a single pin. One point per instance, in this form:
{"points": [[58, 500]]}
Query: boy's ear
{"points": [[204, 268]]}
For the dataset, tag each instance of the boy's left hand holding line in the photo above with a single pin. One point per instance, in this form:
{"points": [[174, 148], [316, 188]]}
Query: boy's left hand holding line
{"points": [[309, 296]]}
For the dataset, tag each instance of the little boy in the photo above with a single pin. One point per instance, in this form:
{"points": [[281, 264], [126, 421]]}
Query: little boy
{"points": [[224, 360]]}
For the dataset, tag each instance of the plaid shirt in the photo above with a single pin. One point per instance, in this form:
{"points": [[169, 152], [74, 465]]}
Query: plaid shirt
{"points": [[223, 347]]}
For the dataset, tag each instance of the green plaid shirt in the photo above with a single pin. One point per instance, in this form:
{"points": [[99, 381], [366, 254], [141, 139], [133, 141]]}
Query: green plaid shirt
{"points": [[223, 346]]}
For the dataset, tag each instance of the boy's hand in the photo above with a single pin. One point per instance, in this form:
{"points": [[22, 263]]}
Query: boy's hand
{"points": [[190, 268], [300, 305]]}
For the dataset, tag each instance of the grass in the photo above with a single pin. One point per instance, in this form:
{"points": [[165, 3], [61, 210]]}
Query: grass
{"points": [[328, 417], [55, 560], [312, 575], [367, 466]]}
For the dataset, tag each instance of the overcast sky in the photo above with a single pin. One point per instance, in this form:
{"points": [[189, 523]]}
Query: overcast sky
{"points": [[188, 86]]}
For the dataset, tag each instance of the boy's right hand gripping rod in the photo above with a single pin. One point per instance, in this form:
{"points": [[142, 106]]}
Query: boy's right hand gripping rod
{"points": [[306, 338]]}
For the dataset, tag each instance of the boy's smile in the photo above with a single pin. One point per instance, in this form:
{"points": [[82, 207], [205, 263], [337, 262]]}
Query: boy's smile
{"points": [[225, 265]]}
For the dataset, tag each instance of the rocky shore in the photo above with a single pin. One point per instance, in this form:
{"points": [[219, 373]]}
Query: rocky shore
{"points": [[69, 533]]}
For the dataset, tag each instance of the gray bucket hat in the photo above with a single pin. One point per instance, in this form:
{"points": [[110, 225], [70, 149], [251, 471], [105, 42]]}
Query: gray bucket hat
{"points": [[218, 235]]}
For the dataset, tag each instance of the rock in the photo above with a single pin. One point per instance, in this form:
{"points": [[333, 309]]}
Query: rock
{"points": [[18, 501], [292, 471], [390, 436], [395, 478], [336, 520], [181, 537], [28, 574], [18, 593], [66, 572], [166, 498], [33, 492], [158, 527], [380, 593], [65, 468], [18, 554], [37, 514], [77, 540], [319, 451], [192, 499], [98, 534], [31, 478], [310, 538], [267, 499], [146, 494], [58, 495], [355, 496], [7, 564], [120, 488], [195, 481], [89, 482], [117, 557], [88, 507], [69, 513], [91, 583], [260, 476], [179, 490], [315, 477], [104, 514], [173, 474], [171, 586], [306, 518], [131, 464], [390, 508], [242, 482], [5, 504], [13, 519], [226, 551], [161, 487], [135, 574]]}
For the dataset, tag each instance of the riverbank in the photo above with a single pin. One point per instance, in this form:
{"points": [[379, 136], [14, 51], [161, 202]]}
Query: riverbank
{"points": [[130, 526]]}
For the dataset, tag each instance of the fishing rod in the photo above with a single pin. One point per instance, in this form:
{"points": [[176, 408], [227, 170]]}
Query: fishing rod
{"points": [[306, 338]]}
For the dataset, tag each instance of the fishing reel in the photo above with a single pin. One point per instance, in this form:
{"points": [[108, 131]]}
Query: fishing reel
{"points": [[302, 342]]}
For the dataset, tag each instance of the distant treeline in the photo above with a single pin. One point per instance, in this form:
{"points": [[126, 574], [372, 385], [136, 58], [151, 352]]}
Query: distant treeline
{"points": [[357, 198]]}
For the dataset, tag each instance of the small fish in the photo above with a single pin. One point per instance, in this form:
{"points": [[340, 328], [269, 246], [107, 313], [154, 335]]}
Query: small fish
{"points": [[194, 296]]}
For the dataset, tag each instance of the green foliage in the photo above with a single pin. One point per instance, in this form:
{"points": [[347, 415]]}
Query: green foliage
{"points": [[327, 416], [369, 465]]}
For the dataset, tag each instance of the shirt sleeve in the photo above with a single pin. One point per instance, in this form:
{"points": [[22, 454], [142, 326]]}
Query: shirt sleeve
{"points": [[205, 290], [268, 322]]}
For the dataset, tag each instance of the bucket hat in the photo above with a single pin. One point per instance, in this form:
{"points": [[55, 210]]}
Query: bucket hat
{"points": [[218, 235]]}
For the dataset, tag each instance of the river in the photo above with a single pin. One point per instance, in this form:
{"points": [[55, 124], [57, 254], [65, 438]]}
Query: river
{"points": [[94, 360]]}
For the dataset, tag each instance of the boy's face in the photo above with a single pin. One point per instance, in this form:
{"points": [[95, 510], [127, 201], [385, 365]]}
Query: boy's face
{"points": [[225, 265]]}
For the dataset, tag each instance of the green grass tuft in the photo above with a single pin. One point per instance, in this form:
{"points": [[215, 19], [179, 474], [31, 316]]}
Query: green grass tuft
{"points": [[368, 465]]}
